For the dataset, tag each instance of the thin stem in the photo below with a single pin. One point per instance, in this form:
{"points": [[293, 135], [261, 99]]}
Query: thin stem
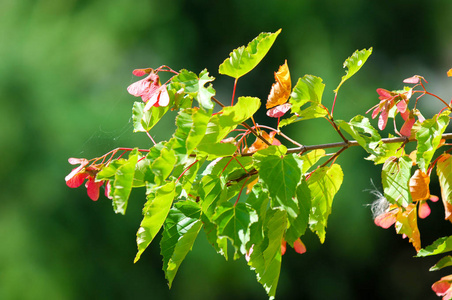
{"points": [[233, 92], [191, 165], [149, 135], [334, 102], [238, 197]]}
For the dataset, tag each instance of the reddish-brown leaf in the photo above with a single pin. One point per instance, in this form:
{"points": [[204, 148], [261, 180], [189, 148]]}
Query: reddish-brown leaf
{"points": [[299, 246], [419, 188], [280, 91], [407, 225]]}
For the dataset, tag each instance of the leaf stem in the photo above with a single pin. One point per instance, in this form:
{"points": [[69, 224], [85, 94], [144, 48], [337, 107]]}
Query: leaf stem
{"points": [[233, 92]]}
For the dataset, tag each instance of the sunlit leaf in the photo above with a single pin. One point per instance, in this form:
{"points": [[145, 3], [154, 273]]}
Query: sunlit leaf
{"points": [[395, 177], [191, 127], [428, 138], [194, 86], [441, 245], [180, 230], [306, 100], [449, 73], [324, 183], [259, 144], [121, 185], [243, 59], [311, 158], [353, 64], [364, 133], [234, 222], [155, 212], [163, 165], [442, 263], [407, 224], [444, 171], [280, 91], [391, 149], [419, 188], [227, 119]]}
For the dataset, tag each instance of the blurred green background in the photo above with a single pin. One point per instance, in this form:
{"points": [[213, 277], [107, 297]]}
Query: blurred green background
{"points": [[64, 69]]}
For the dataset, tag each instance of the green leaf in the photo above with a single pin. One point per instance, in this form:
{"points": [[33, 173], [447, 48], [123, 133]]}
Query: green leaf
{"points": [[195, 87], [311, 158], [223, 122], [188, 174], [281, 176], [428, 138], [395, 177], [155, 212], [180, 230], [243, 59], [298, 225], [442, 263], [441, 245], [258, 199], [391, 149], [143, 172], [219, 244], [324, 183], [163, 165], [212, 192], [234, 222], [353, 64], [143, 121], [266, 257], [364, 133], [217, 150], [191, 128], [306, 100], [121, 184]]}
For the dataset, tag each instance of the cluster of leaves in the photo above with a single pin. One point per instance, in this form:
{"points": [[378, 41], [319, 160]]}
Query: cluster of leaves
{"points": [[258, 197]]}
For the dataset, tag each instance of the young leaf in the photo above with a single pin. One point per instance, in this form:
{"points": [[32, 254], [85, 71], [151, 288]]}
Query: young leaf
{"points": [[212, 192], [243, 59], [234, 222], [180, 230], [163, 165], [195, 87], [428, 138], [395, 177], [392, 149], [121, 186], [143, 121], [444, 171], [191, 127], [308, 91], [311, 158], [227, 119], [155, 212], [265, 259], [446, 261], [324, 183], [353, 64], [364, 133], [441, 245]]}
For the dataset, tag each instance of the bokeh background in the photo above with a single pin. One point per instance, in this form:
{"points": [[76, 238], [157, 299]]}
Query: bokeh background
{"points": [[64, 69]]}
